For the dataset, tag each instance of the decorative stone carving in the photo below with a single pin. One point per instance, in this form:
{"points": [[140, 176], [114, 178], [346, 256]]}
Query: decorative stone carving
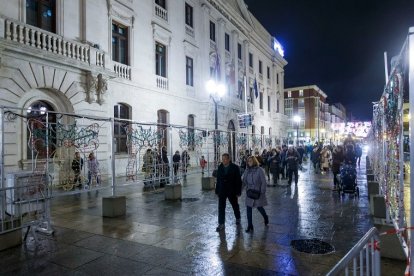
{"points": [[96, 86]]}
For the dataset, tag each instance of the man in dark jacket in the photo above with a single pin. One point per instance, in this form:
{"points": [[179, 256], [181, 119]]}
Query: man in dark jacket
{"points": [[77, 165], [229, 186], [292, 160]]}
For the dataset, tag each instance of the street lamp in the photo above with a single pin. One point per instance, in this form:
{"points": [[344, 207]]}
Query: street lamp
{"points": [[216, 91], [297, 119]]}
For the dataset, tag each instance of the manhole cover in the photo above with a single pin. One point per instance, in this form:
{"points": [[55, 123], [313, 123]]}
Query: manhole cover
{"points": [[190, 199], [312, 246]]}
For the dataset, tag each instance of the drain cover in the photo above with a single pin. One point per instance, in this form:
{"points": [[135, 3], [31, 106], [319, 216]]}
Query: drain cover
{"points": [[312, 246], [190, 199]]}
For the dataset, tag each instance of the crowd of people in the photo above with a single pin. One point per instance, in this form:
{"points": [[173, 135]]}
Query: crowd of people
{"points": [[259, 170]]}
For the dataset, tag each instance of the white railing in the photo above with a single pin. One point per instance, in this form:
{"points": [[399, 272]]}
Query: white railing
{"points": [[212, 45], [50, 42], [161, 12], [250, 70], [122, 70], [364, 256], [189, 30], [162, 82]]}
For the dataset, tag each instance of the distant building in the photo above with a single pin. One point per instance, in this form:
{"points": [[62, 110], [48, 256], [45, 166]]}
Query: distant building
{"points": [[316, 115]]}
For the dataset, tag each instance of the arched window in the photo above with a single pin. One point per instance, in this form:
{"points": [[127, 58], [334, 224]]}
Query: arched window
{"points": [[41, 130], [121, 111], [190, 124]]}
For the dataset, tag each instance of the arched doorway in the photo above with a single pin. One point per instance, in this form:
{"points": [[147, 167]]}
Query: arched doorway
{"points": [[40, 124], [232, 140]]}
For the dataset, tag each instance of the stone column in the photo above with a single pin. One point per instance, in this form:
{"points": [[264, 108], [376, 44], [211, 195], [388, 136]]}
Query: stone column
{"points": [[235, 40]]}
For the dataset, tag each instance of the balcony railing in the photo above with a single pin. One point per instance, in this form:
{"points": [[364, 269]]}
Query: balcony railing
{"points": [[50, 42], [162, 83], [189, 30], [122, 70], [161, 12]]}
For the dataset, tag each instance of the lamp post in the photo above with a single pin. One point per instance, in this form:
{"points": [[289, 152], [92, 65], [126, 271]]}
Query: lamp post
{"points": [[297, 119], [216, 91]]}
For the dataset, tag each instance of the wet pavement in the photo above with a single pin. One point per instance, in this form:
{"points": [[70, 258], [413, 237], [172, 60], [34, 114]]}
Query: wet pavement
{"points": [[159, 237]]}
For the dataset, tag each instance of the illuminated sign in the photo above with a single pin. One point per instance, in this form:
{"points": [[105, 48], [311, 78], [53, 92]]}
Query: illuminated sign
{"points": [[278, 47], [359, 129]]}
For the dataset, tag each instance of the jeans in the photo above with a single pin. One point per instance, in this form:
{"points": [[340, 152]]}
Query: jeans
{"points": [[249, 215], [335, 176], [222, 207], [291, 172], [90, 178]]}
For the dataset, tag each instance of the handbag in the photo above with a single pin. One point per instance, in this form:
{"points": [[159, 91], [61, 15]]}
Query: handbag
{"points": [[253, 194]]}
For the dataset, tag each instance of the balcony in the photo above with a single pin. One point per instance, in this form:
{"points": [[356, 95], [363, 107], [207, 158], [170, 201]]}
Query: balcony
{"points": [[33, 37], [189, 31], [162, 82], [122, 71], [161, 12]]}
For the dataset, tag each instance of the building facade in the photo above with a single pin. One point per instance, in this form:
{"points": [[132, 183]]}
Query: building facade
{"points": [[140, 60], [316, 115]]}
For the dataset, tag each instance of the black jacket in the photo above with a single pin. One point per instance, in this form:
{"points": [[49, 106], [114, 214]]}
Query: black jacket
{"points": [[230, 183]]}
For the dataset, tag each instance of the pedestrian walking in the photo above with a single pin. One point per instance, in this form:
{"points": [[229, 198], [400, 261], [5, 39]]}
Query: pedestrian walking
{"points": [[325, 159], [176, 164], [203, 164], [337, 159], [77, 165], [292, 159], [274, 165], [254, 180], [358, 153], [228, 186], [148, 166], [185, 159], [93, 169], [315, 158]]}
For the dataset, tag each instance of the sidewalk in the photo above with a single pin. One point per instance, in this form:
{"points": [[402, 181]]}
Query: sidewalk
{"points": [[159, 237]]}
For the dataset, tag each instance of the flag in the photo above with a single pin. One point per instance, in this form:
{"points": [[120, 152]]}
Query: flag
{"points": [[256, 90]]}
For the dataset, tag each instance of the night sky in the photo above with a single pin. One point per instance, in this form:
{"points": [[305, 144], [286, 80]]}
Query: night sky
{"points": [[338, 45]]}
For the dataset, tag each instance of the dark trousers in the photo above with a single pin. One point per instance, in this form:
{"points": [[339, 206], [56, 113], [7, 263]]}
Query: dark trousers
{"points": [[291, 172], [249, 215], [335, 176], [222, 207]]}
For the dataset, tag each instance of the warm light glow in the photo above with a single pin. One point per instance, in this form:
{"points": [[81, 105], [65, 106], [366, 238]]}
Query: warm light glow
{"points": [[323, 130], [215, 88], [409, 116], [296, 118]]}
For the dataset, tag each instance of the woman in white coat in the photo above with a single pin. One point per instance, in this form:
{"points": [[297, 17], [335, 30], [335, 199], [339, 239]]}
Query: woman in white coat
{"points": [[254, 180]]}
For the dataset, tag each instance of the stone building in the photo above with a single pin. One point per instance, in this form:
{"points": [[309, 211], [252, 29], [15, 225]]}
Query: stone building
{"points": [[140, 60]]}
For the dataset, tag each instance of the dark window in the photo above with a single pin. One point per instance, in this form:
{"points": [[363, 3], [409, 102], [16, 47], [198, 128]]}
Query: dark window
{"points": [[121, 111], [253, 129], [188, 15], [160, 60], [277, 105], [41, 14], [260, 67], [227, 42], [251, 60], [212, 31], [37, 132], [239, 51], [119, 43], [277, 78], [268, 72], [261, 100], [160, 3], [268, 103], [240, 90], [189, 71]]}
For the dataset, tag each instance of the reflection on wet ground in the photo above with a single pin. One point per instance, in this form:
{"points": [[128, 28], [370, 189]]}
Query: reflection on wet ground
{"points": [[159, 237]]}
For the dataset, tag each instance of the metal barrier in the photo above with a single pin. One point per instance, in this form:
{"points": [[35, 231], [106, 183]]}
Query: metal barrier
{"points": [[363, 259], [70, 153]]}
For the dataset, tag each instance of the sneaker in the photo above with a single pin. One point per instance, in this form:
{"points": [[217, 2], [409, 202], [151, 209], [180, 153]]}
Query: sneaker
{"points": [[220, 227], [238, 221]]}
